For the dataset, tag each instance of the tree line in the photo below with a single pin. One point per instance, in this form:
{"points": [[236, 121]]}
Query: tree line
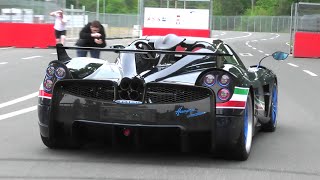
{"points": [[220, 7]]}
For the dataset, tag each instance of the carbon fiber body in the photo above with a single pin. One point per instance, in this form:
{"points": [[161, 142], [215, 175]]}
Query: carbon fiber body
{"points": [[207, 95]]}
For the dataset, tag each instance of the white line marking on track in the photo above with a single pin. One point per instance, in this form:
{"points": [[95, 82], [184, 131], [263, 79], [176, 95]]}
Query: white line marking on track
{"points": [[248, 34], [261, 51], [53, 53], [2, 63], [16, 113], [293, 65], [19, 99], [254, 48], [245, 54], [254, 40], [31, 57], [277, 35], [263, 39], [267, 54], [310, 73], [6, 48]]}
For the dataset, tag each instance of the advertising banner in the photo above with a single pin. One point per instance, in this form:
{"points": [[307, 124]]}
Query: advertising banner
{"points": [[186, 22]]}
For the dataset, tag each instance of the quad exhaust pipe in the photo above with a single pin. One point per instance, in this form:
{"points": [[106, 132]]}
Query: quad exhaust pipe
{"points": [[131, 89]]}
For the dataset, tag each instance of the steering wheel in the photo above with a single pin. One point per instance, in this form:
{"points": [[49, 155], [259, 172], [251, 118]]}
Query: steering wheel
{"points": [[145, 46]]}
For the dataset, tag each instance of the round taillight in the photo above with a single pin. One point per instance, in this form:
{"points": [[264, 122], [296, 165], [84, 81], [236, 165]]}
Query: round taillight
{"points": [[50, 71], [209, 80], [60, 73], [223, 94], [224, 80], [48, 84]]}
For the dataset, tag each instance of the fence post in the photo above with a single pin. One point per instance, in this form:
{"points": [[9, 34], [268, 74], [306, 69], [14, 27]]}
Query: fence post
{"points": [[84, 15], [72, 20], [260, 24], [278, 24], [227, 23], [241, 23], [271, 24], [254, 24], [248, 19]]}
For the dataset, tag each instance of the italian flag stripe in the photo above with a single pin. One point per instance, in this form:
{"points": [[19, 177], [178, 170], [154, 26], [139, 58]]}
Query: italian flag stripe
{"points": [[238, 97], [232, 104], [237, 101], [242, 91]]}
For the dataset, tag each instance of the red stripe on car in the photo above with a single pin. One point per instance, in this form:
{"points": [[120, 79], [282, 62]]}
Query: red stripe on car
{"points": [[237, 104], [43, 94]]}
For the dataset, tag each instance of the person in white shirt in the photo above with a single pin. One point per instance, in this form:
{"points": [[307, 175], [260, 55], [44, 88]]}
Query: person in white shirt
{"points": [[59, 26]]}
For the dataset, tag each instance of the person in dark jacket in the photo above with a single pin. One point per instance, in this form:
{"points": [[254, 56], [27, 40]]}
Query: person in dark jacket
{"points": [[91, 35]]}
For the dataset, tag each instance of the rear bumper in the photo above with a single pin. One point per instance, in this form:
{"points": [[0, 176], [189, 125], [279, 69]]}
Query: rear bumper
{"points": [[226, 132], [67, 110]]}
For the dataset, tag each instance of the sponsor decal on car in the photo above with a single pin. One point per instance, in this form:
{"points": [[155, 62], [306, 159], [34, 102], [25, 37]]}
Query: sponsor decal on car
{"points": [[189, 112], [127, 102], [237, 101]]}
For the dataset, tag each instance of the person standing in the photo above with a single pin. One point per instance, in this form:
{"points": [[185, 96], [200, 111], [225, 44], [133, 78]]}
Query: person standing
{"points": [[59, 26], [91, 35]]}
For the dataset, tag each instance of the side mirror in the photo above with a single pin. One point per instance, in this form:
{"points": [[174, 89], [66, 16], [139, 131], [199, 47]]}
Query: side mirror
{"points": [[280, 55]]}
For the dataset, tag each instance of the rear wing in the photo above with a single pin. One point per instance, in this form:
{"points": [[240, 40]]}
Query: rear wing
{"points": [[63, 56]]}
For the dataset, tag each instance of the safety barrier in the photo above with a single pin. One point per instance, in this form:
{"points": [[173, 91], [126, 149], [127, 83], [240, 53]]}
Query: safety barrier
{"points": [[306, 45], [23, 35]]}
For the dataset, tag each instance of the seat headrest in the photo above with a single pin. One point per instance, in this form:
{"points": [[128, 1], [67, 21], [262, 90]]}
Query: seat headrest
{"points": [[167, 42]]}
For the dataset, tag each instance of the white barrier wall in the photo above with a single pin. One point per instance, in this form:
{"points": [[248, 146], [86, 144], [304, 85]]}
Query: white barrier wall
{"points": [[185, 22]]}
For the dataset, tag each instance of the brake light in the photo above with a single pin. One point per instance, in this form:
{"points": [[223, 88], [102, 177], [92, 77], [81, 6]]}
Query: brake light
{"points": [[48, 84], [223, 94]]}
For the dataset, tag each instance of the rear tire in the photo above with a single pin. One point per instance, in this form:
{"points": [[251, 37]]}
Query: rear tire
{"points": [[273, 112], [243, 147]]}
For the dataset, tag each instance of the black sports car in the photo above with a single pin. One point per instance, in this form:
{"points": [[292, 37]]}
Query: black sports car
{"points": [[189, 91]]}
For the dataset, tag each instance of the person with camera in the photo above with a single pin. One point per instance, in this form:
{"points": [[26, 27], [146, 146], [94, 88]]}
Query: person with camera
{"points": [[59, 26], [91, 35]]}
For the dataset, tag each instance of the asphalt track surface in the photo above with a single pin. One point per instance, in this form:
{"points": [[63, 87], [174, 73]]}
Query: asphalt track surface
{"points": [[292, 152]]}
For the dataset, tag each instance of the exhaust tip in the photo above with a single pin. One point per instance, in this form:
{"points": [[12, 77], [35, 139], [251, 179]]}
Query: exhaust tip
{"points": [[136, 84], [125, 83], [134, 95], [124, 94]]}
